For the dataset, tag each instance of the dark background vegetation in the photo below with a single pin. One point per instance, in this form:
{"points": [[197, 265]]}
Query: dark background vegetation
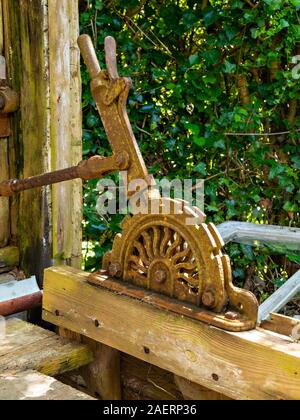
{"points": [[202, 70]]}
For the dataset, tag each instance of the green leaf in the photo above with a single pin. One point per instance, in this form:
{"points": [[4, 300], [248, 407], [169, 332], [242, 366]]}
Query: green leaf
{"points": [[247, 250], [194, 59], [296, 31], [254, 32], [274, 4], [296, 160], [290, 207], [229, 67], [201, 168], [295, 3], [276, 170], [200, 141], [210, 16], [212, 56]]}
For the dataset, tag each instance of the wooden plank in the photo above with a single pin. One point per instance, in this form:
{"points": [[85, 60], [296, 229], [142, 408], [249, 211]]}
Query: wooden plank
{"points": [[26, 346], [9, 258], [243, 232], [280, 298], [31, 385], [281, 324], [4, 170], [65, 107], [250, 365]]}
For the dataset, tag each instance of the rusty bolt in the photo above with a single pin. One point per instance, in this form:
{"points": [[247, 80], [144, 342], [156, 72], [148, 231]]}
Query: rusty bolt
{"points": [[208, 299], [233, 316], [122, 160], [115, 270], [160, 276]]}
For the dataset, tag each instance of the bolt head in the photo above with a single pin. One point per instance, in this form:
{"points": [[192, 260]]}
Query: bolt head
{"points": [[233, 316], [114, 270], [160, 276], [208, 299]]}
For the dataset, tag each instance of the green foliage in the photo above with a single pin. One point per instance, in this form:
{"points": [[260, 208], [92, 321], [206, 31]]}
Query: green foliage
{"points": [[201, 70]]}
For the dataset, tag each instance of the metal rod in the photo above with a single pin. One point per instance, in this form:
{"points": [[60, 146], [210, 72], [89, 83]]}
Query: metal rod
{"points": [[95, 167], [21, 304], [280, 298]]}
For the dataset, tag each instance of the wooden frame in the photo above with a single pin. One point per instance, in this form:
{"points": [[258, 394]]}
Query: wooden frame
{"points": [[257, 364]]}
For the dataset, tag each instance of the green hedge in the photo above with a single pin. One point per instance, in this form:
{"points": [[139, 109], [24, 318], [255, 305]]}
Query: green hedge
{"points": [[202, 71]]}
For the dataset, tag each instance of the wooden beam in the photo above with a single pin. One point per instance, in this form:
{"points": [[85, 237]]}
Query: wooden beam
{"points": [[26, 48], [31, 385], [65, 122], [243, 232], [4, 169], [284, 325], [249, 365], [27, 347]]}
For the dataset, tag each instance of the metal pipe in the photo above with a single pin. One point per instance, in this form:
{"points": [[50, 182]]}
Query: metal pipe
{"points": [[21, 304]]}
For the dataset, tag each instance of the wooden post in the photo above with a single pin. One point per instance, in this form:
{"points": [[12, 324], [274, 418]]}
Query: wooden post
{"points": [[44, 68], [4, 170], [65, 120], [26, 27], [102, 376]]}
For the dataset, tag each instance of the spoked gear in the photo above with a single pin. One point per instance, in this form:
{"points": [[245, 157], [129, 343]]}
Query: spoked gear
{"points": [[161, 253]]}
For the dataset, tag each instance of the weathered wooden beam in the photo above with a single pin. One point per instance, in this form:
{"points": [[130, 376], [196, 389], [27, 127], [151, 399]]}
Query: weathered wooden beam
{"points": [[280, 298], [243, 232], [4, 170], [26, 49], [249, 365], [9, 258], [31, 385], [27, 347], [281, 324], [65, 128]]}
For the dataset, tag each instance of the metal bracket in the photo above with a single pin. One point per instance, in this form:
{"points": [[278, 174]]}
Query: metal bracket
{"points": [[9, 101]]}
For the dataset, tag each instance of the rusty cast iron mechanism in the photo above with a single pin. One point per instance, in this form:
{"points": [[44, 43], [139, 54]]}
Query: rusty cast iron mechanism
{"points": [[159, 258]]}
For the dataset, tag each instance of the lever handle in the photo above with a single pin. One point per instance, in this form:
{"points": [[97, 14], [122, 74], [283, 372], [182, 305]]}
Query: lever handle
{"points": [[89, 55], [111, 57]]}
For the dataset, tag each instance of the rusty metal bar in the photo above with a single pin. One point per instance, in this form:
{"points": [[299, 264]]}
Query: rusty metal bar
{"points": [[95, 167], [21, 304], [19, 296]]}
